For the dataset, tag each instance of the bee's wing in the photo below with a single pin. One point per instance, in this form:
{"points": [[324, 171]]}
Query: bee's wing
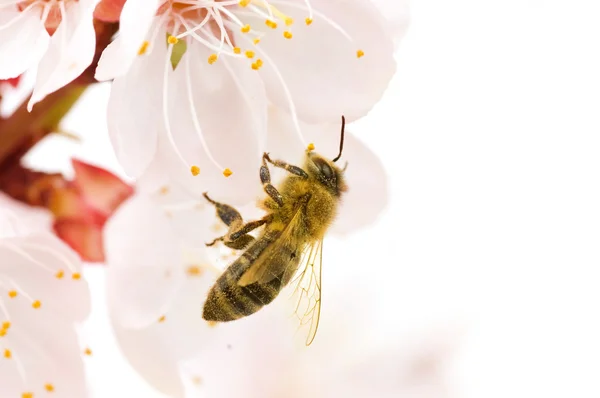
{"points": [[308, 289], [270, 264]]}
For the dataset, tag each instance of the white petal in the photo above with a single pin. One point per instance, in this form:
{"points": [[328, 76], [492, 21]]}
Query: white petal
{"points": [[230, 109], [135, 21], [397, 14], [320, 65], [134, 112], [71, 51], [37, 259], [143, 258], [157, 350], [365, 175], [22, 44], [17, 218]]}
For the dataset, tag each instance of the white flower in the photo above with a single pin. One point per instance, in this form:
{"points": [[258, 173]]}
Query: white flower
{"points": [[57, 36], [42, 297], [318, 59], [159, 272]]}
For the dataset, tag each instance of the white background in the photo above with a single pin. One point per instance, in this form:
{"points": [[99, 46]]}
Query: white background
{"points": [[490, 135]]}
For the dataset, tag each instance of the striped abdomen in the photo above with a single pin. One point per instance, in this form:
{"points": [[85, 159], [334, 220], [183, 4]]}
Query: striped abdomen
{"points": [[228, 300]]}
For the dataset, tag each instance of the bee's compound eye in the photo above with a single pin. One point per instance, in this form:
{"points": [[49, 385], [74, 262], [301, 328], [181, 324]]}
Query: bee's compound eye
{"points": [[325, 169]]}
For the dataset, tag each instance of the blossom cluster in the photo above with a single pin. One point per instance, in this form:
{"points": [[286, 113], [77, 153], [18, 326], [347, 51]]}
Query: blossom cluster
{"points": [[199, 90]]}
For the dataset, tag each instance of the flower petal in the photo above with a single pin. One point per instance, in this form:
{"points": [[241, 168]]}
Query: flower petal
{"points": [[397, 14], [44, 267], [109, 10], [142, 257], [320, 65], [228, 110], [82, 236], [135, 21], [100, 188], [134, 112], [365, 176], [71, 51], [22, 44]]}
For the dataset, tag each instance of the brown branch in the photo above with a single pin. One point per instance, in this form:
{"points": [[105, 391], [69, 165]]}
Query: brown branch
{"points": [[22, 130]]}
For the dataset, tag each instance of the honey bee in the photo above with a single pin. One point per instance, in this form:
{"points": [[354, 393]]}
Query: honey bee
{"points": [[289, 248]]}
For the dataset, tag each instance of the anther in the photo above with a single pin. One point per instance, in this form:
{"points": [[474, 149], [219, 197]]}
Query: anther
{"points": [[244, 3], [36, 304], [165, 190], [60, 274], [27, 395], [144, 48], [308, 21], [359, 53], [212, 58], [5, 325], [245, 28], [49, 387], [310, 147], [271, 24], [227, 172], [2, 332], [287, 34], [250, 54], [87, 351], [193, 270], [172, 39], [195, 169], [7, 353], [76, 276], [12, 294], [237, 50], [289, 21], [162, 319]]}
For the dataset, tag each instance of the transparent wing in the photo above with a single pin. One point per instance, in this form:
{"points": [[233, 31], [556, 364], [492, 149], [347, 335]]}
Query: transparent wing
{"points": [[308, 289]]}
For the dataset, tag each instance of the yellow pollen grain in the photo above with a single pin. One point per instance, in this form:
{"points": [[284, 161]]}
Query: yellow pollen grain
{"points": [[49, 387], [271, 24], [311, 147], [60, 274], [12, 294], [172, 39], [237, 50], [143, 48], [289, 21], [227, 172], [245, 28], [5, 325], [212, 58], [360, 53], [76, 276], [287, 34], [308, 21], [250, 54], [244, 3], [36, 304], [162, 319], [194, 270], [87, 351], [212, 324], [7, 353], [27, 395], [256, 41], [195, 170]]}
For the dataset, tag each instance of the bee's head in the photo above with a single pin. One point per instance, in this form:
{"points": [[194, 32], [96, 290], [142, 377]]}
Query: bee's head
{"points": [[326, 171]]}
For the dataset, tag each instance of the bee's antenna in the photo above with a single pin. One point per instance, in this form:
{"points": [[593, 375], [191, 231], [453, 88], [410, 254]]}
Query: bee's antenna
{"points": [[341, 140]]}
